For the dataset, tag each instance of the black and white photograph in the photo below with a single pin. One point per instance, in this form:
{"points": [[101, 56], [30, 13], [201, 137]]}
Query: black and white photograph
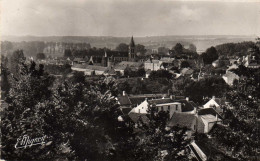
{"points": [[130, 80]]}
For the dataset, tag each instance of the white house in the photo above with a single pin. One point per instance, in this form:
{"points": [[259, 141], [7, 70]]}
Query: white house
{"points": [[229, 77], [209, 121], [142, 108], [215, 103]]}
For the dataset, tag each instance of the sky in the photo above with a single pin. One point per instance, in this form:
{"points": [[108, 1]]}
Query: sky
{"points": [[129, 17]]}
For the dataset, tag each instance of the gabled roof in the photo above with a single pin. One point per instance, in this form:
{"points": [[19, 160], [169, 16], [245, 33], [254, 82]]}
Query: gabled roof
{"points": [[124, 100], [207, 111], [135, 117], [160, 101], [182, 120], [136, 100], [125, 110], [110, 71], [187, 105], [220, 101]]}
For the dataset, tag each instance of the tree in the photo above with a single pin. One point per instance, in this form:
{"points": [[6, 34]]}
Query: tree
{"points": [[122, 47], [67, 53], [192, 48], [185, 64], [140, 48], [160, 74], [16, 59], [160, 142], [163, 50], [208, 87], [40, 56], [178, 48], [24, 115], [210, 55]]}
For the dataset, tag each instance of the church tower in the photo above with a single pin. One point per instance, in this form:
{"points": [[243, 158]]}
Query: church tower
{"points": [[104, 60], [132, 51]]}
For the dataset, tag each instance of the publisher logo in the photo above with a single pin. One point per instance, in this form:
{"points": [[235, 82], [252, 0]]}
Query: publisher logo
{"points": [[25, 141]]}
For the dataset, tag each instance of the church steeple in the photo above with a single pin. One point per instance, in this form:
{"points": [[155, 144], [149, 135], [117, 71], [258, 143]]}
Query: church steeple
{"points": [[132, 43], [131, 53]]}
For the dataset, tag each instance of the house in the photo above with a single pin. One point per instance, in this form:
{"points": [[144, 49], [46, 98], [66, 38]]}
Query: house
{"points": [[184, 120], [152, 65], [230, 77], [187, 71], [201, 121], [135, 100], [216, 103], [168, 105], [206, 119], [142, 108], [110, 71], [147, 73]]}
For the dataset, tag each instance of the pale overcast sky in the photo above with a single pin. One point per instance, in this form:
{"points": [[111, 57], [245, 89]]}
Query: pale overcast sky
{"points": [[128, 17]]}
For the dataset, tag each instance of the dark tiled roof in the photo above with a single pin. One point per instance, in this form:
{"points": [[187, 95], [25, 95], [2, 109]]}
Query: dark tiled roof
{"points": [[136, 100], [160, 101], [182, 120], [220, 101], [135, 117], [186, 105], [125, 110], [208, 111], [124, 100], [117, 53]]}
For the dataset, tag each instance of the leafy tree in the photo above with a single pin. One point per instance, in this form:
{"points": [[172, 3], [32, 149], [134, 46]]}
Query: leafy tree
{"points": [[160, 142], [207, 87], [210, 55], [67, 53], [24, 113], [192, 48], [185, 64], [122, 47], [5, 83], [163, 50], [16, 59], [178, 48], [160, 74], [140, 48]]}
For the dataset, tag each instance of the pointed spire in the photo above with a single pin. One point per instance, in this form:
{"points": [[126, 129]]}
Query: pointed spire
{"points": [[132, 43], [105, 53]]}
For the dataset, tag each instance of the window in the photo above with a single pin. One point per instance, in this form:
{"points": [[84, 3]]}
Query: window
{"points": [[176, 107], [169, 108], [139, 111]]}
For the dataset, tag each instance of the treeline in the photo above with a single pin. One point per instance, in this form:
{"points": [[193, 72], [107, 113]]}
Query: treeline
{"points": [[33, 47], [235, 49]]}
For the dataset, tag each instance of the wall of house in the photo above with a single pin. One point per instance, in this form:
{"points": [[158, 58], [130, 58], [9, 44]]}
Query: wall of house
{"points": [[171, 108], [151, 66], [200, 125]]}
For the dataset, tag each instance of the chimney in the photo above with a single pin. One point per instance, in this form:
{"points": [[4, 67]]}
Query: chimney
{"points": [[163, 97], [171, 97], [253, 57], [123, 93], [213, 97], [217, 117], [187, 99]]}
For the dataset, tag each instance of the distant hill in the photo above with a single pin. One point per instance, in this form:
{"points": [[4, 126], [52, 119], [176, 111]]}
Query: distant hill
{"points": [[151, 42]]}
